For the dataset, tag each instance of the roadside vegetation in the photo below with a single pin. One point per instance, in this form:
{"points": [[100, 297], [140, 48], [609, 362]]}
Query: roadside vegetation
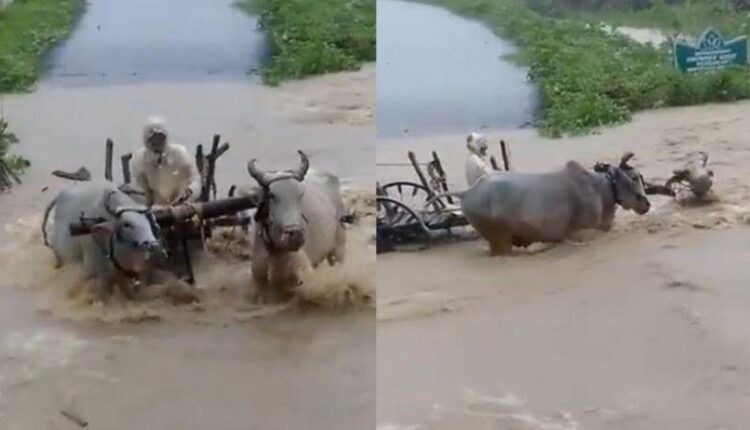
{"points": [[691, 17], [10, 165], [314, 37], [28, 29], [588, 76]]}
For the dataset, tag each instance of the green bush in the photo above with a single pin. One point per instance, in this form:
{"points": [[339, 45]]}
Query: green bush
{"points": [[315, 37], [15, 163], [28, 28], [588, 77]]}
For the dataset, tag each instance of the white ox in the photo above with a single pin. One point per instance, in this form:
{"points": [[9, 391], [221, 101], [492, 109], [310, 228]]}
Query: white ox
{"points": [[299, 213]]}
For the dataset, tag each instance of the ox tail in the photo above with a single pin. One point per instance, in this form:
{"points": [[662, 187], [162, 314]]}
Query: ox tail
{"points": [[46, 217], [433, 199]]}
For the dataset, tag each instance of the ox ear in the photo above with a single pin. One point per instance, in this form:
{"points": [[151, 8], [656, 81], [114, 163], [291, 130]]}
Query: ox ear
{"points": [[103, 228], [255, 194], [601, 167], [704, 157]]}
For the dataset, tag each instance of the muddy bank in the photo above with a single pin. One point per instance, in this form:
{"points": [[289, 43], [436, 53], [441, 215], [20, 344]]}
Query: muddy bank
{"points": [[639, 328], [228, 362]]}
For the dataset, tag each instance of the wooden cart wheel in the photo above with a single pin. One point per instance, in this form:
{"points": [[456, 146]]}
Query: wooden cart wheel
{"points": [[397, 224], [397, 219], [411, 194]]}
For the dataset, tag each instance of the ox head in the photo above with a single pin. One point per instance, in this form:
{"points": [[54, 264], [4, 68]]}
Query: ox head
{"points": [[627, 184], [477, 144], [133, 232], [697, 173], [279, 212]]}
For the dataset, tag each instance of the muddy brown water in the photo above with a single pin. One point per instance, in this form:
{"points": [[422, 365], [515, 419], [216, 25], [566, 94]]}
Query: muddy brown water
{"points": [[641, 328], [229, 362]]}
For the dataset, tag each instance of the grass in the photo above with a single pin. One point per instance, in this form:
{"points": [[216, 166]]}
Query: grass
{"points": [[588, 77], [28, 28], [690, 17], [309, 37]]}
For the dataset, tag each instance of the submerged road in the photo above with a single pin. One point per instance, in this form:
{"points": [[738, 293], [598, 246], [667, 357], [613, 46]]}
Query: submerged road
{"points": [[158, 40], [441, 73]]}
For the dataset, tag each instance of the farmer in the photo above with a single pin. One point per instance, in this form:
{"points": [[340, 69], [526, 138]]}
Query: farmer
{"points": [[476, 163], [164, 170]]}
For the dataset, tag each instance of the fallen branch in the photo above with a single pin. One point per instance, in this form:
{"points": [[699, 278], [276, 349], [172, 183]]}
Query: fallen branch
{"points": [[664, 190], [74, 418]]}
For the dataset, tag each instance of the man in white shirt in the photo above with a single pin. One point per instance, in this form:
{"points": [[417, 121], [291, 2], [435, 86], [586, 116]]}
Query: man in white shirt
{"points": [[165, 171], [477, 164]]}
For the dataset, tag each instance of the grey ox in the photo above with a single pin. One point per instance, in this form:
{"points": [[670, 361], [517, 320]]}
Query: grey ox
{"points": [[295, 213], [122, 238], [511, 208]]}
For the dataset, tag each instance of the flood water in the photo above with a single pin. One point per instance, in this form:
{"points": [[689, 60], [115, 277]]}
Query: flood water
{"points": [[643, 327], [440, 73], [158, 40], [228, 363]]}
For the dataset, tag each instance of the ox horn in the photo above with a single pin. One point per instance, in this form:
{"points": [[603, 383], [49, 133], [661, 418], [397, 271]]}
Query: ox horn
{"points": [[624, 160], [256, 174], [704, 157], [107, 206], [301, 171]]}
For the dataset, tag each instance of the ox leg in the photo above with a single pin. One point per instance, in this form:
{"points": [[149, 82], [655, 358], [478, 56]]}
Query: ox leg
{"points": [[96, 265], [500, 240], [128, 287], [337, 256], [501, 245], [285, 274], [58, 259], [103, 289], [259, 267]]}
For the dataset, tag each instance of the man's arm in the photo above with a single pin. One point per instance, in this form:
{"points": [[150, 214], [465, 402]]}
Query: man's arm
{"points": [[141, 180], [188, 173]]}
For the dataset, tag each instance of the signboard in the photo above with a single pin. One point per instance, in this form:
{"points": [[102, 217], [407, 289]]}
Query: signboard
{"points": [[713, 52]]}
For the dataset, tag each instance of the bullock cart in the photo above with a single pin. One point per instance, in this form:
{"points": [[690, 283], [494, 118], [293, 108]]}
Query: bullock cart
{"points": [[178, 225], [409, 212]]}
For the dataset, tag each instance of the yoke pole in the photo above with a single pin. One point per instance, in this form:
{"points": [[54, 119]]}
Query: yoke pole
{"points": [[126, 167], [108, 160], [506, 155], [423, 179]]}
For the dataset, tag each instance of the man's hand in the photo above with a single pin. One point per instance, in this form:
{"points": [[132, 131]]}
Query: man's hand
{"points": [[186, 194]]}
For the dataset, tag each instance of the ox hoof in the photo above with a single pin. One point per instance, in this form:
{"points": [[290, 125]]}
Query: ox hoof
{"points": [[500, 249]]}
